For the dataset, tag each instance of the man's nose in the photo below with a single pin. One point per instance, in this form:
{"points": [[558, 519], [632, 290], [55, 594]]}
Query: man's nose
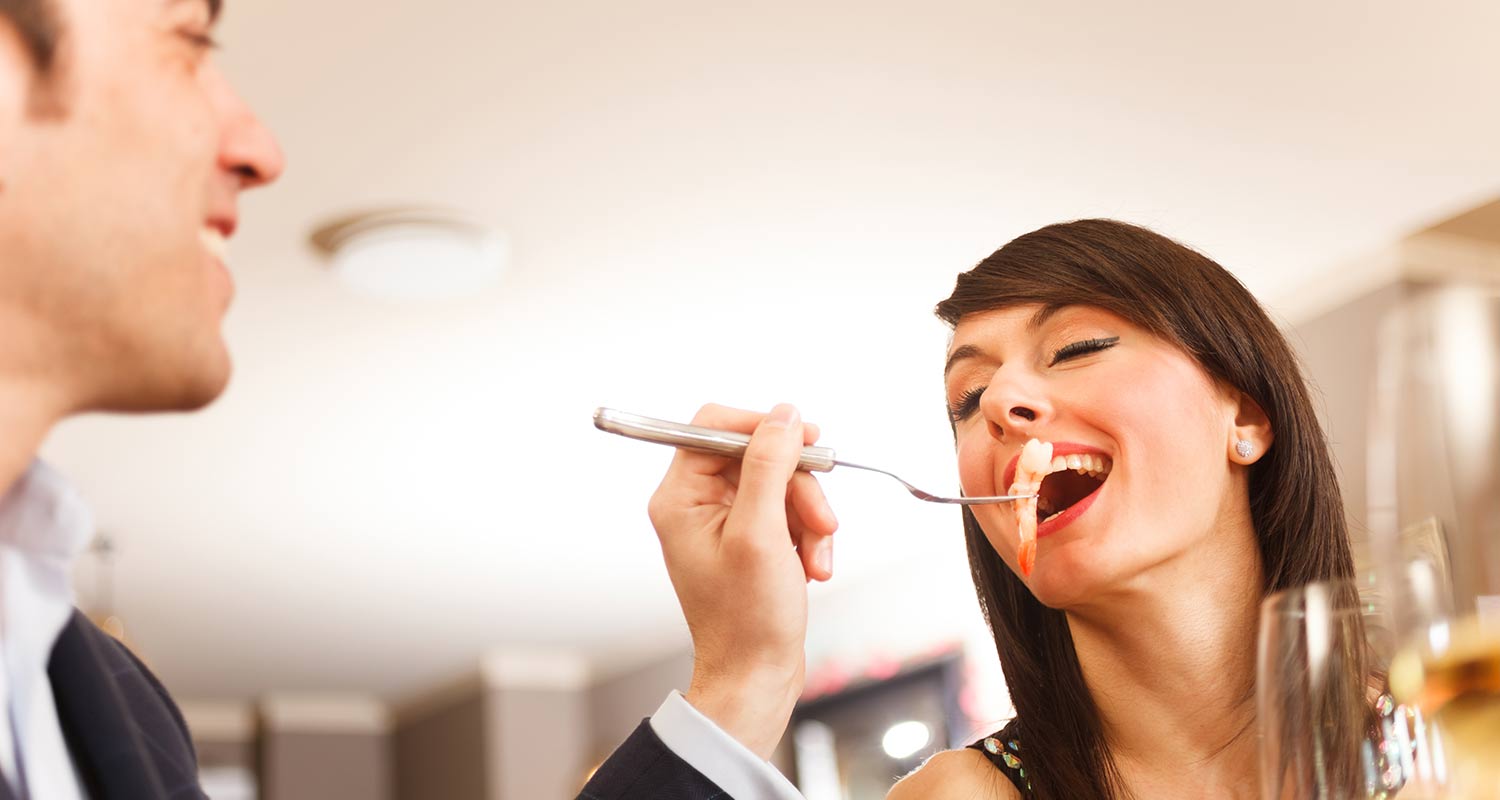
{"points": [[249, 149]]}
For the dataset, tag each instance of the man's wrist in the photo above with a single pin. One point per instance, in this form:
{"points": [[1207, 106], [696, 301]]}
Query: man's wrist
{"points": [[753, 706]]}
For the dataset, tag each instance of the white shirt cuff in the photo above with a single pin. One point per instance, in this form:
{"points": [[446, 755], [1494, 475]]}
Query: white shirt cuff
{"points": [[717, 755]]}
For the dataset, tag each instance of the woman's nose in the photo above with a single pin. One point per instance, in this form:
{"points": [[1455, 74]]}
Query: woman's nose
{"points": [[1012, 405]]}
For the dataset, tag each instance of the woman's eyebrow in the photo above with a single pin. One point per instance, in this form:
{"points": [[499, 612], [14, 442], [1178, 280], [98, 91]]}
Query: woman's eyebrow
{"points": [[974, 351], [963, 352], [1041, 316]]}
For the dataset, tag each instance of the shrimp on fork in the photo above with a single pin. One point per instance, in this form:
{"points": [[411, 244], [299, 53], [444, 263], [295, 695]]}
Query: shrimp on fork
{"points": [[1033, 465]]}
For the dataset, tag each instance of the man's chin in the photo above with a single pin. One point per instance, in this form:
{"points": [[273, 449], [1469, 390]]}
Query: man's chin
{"points": [[188, 388], [205, 386], [203, 394]]}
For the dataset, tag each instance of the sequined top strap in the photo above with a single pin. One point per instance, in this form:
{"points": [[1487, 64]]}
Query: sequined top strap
{"points": [[1003, 749]]}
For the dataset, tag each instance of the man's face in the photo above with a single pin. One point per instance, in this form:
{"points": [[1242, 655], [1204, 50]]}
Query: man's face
{"points": [[119, 176]]}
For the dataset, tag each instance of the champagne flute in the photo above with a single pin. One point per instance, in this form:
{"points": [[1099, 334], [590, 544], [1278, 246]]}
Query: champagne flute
{"points": [[1434, 473], [1327, 729]]}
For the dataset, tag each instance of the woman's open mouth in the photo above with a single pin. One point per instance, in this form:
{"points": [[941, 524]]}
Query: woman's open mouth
{"points": [[1070, 488]]}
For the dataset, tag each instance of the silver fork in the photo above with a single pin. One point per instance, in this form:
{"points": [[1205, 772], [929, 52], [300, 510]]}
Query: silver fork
{"points": [[732, 445]]}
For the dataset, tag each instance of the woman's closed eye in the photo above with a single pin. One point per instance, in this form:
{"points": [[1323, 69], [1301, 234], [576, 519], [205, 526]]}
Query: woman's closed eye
{"points": [[966, 405], [1082, 347], [968, 402]]}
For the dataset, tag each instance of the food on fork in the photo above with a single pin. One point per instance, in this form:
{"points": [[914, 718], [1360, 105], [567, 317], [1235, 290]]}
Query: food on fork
{"points": [[1034, 465], [1071, 480]]}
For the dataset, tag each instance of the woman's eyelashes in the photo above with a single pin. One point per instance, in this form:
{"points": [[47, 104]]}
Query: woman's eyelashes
{"points": [[968, 402], [1082, 348]]}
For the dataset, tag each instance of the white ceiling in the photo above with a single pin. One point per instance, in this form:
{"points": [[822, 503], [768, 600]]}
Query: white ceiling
{"points": [[745, 203]]}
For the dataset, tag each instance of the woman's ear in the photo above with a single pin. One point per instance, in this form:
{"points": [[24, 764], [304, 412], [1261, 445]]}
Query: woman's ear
{"points": [[1251, 435]]}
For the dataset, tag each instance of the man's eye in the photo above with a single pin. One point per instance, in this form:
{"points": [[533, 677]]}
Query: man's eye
{"points": [[966, 405], [201, 40], [1082, 348]]}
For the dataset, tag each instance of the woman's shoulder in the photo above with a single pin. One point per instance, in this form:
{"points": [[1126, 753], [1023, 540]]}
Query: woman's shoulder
{"points": [[955, 775]]}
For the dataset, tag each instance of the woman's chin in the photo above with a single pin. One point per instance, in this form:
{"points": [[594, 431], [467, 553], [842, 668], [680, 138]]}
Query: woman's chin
{"points": [[1070, 575]]}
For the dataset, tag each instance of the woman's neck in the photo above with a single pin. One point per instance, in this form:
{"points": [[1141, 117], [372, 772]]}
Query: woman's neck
{"points": [[1170, 663]]}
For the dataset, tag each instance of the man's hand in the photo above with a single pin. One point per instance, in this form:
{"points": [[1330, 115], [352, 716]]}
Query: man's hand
{"points": [[741, 540]]}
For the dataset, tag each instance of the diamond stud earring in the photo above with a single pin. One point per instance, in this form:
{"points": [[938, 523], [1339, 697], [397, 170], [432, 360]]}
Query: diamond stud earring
{"points": [[1243, 448]]}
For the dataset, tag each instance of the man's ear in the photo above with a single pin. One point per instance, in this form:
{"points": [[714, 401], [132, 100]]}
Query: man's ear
{"points": [[1251, 435]]}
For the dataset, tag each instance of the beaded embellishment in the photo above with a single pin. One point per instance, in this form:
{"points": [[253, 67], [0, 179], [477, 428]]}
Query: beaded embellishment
{"points": [[1009, 755], [1393, 747]]}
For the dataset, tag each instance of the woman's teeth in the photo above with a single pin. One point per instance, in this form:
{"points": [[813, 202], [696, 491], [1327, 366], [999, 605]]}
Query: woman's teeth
{"points": [[215, 243], [1084, 464]]}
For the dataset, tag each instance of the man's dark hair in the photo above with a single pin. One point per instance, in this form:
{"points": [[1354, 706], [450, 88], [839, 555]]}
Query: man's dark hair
{"points": [[36, 22]]}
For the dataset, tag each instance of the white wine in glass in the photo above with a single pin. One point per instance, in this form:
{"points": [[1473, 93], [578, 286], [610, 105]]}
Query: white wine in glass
{"points": [[1455, 680]]}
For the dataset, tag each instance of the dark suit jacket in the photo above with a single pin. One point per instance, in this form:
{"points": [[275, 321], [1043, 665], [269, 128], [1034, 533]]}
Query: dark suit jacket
{"points": [[126, 735], [644, 769]]}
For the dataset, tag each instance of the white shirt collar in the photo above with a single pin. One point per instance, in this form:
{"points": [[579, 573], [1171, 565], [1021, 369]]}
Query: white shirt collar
{"points": [[44, 525], [44, 517]]}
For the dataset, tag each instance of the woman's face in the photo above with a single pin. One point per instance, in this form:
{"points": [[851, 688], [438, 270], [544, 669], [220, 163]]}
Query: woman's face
{"points": [[1094, 384]]}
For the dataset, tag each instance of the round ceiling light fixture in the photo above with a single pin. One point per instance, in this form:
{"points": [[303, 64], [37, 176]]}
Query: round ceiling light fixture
{"points": [[413, 253]]}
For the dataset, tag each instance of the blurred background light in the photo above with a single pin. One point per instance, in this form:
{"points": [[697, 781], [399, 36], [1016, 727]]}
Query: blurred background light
{"points": [[905, 738]]}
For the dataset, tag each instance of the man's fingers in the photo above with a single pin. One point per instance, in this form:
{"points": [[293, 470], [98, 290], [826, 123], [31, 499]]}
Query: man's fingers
{"points": [[806, 496], [814, 547], [740, 420], [697, 479], [814, 550], [810, 433], [724, 418], [765, 473], [815, 524]]}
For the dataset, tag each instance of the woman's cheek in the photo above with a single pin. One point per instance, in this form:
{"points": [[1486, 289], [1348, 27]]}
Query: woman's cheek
{"points": [[976, 473]]}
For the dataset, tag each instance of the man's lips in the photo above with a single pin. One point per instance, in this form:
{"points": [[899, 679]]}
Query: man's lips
{"points": [[225, 224]]}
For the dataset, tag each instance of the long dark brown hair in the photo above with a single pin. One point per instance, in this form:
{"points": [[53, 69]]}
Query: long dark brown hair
{"points": [[1186, 299]]}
